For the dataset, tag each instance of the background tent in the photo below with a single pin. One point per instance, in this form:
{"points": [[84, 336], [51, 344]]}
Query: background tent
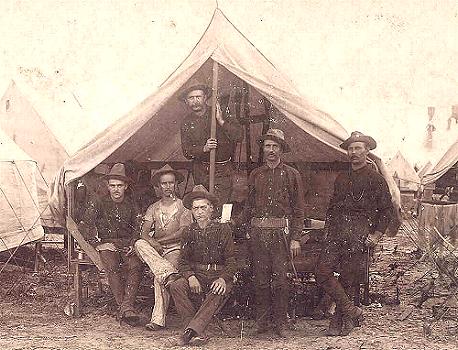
{"points": [[449, 159], [151, 131], [425, 169], [19, 206], [403, 172], [21, 123]]}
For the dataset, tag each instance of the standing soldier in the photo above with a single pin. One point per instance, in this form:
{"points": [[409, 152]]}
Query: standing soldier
{"points": [[197, 144], [275, 206], [358, 214], [117, 221]]}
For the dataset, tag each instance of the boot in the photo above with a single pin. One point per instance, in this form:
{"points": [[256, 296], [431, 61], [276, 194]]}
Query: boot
{"points": [[350, 313], [280, 299], [133, 280], [116, 286], [263, 311], [335, 326]]}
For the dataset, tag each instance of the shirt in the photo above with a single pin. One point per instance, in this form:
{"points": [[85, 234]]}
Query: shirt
{"points": [[360, 196], [115, 222], [195, 131], [210, 245], [165, 226], [277, 193]]}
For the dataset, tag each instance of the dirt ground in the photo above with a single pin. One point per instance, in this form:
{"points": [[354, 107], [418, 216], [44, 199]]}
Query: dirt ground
{"points": [[32, 313]]}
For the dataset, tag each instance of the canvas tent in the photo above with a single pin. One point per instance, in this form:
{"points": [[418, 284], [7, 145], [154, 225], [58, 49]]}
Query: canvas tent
{"points": [[404, 173], [21, 123], [19, 205], [425, 169], [449, 159], [150, 132]]}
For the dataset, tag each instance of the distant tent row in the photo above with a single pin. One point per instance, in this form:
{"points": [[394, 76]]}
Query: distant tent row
{"points": [[403, 173]]}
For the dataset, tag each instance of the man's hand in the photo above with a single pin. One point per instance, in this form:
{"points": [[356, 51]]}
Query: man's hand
{"points": [[218, 286], [295, 248], [194, 284], [211, 144], [373, 238], [219, 115]]}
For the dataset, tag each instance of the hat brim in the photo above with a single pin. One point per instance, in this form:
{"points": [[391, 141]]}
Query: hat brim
{"points": [[206, 89], [285, 147], [179, 178], [190, 197], [118, 177], [369, 141]]}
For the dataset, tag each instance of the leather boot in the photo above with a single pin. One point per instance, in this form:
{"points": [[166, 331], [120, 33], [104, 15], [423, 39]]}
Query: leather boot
{"points": [[350, 313], [133, 280], [280, 299], [116, 286], [335, 326], [263, 311]]}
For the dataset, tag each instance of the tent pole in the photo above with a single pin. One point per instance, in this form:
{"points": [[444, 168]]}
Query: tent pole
{"points": [[213, 127]]}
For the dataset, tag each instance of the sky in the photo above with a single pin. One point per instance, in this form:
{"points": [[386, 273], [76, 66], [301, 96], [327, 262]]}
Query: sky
{"points": [[375, 66]]}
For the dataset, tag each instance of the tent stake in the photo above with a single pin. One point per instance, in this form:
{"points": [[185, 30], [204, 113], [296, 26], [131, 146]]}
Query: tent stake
{"points": [[213, 127]]}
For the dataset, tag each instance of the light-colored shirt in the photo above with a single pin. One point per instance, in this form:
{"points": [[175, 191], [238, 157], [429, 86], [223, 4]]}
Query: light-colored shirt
{"points": [[165, 224]]}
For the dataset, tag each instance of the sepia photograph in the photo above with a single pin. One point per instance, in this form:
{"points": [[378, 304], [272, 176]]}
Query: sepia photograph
{"points": [[216, 174]]}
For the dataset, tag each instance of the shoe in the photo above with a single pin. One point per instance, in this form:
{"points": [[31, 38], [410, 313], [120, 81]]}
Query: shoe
{"points": [[129, 317], [186, 337], [170, 279], [351, 321], [279, 331], [154, 327]]}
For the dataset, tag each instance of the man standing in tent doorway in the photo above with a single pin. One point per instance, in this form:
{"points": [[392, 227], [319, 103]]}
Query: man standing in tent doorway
{"points": [[117, 221], [358, 214], [275, 206], [166, 219], [197, 144]]}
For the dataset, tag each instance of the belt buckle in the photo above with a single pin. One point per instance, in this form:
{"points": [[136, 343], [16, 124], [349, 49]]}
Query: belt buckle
{"points": [[211, 267]]}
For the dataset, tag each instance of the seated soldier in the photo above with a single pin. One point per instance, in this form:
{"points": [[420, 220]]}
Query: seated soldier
{"points": [[117, 221], [161, 251], [207, 264]]}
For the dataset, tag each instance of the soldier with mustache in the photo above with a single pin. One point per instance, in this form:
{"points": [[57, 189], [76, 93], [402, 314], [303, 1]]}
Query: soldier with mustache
{"points": [[358, 214], [196, 141], [275, 208]]}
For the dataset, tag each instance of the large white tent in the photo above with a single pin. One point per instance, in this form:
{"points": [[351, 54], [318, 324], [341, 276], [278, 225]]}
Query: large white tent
{"points": [[150, 132], [21, 122], [20, 210]]}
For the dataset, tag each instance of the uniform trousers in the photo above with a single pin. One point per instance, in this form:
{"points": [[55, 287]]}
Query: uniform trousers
{"points": [[186, 301], [270, 267]]}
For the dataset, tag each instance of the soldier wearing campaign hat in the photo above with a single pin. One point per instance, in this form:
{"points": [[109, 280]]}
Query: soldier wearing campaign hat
{"points": [[196, 141], [359, 212], [116, 219]]}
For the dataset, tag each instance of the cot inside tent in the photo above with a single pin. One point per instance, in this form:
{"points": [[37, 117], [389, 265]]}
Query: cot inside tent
{"points": [[19, 205]]}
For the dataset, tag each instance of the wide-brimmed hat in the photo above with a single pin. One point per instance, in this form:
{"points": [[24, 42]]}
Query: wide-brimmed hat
{"points": [[199, 192], [194, 85], [276, 135], [166, 169], [357, 136], [118, 172]]}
